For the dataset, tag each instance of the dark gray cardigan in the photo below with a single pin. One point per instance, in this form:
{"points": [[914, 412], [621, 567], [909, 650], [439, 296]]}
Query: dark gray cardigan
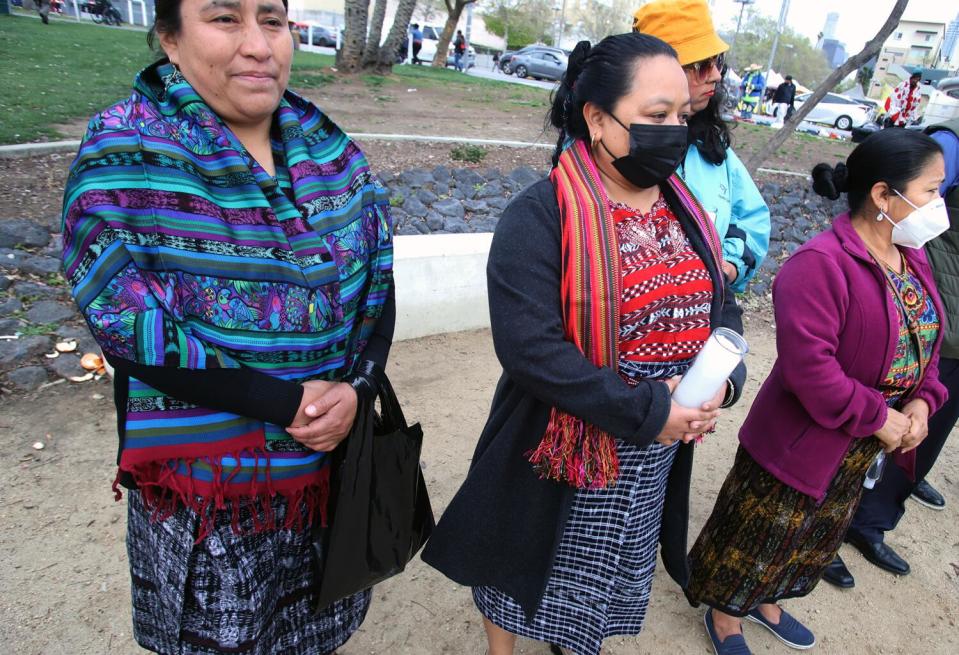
{"points": [[503, 526]]}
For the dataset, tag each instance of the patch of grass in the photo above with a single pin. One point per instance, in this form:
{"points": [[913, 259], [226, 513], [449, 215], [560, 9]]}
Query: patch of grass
{"points": [[384, 98], [397, 200], [374, 81], [469, 153], [38, 330], [310, 79], [55, 280], [62, 72]]}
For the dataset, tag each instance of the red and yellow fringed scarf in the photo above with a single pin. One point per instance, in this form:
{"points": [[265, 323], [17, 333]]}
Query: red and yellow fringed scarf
{"points": [[572, 450]]}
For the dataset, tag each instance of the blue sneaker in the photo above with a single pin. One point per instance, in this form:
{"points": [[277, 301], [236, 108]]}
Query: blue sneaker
{"points": [[732, 645], [789, 631]]}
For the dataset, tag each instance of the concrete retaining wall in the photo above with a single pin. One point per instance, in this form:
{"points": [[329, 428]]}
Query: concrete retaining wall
{"points": [[440, 283]]}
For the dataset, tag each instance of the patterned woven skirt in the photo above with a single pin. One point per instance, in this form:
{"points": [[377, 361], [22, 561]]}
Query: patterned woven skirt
{"points": [[765, 541], [233, 594], [601, 578]]}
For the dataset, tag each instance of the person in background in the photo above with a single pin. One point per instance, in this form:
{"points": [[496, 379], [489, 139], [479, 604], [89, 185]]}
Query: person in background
{"points": [[604, 283], [416, 35], [902, 105], [231, 252], [711, 169], [459, 51], [752, 88], [784, 99], [43, 8], [496, 60], [884, 505], [858, 332]]}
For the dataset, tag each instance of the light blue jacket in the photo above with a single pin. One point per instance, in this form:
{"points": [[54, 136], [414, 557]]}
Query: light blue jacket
{"points": [[738, 210]]}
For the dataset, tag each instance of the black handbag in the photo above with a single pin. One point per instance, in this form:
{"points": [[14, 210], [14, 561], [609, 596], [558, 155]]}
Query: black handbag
{"points": [[380, 514]]}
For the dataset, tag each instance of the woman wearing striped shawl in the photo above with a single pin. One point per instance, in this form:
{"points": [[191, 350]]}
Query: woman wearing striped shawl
{"points": [[604, 282], [231, 252]]}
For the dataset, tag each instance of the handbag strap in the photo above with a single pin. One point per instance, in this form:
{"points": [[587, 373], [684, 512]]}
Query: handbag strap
{"points": [[390, 408]]}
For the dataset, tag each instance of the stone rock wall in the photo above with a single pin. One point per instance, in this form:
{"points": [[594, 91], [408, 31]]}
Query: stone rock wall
{"points": [[36, 310]]}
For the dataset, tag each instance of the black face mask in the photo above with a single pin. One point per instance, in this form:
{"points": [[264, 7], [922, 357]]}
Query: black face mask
{"points": [[655, 152]]}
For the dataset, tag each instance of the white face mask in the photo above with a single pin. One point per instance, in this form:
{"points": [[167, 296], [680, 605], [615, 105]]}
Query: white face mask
{"points": [[921, 226]]}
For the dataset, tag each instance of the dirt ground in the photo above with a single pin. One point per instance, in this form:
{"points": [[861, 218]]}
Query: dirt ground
{"points": [[64, 586]]}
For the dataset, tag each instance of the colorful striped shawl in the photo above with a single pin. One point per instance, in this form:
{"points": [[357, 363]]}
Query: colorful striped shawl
{"points": [[572, 450], [183, 252]]}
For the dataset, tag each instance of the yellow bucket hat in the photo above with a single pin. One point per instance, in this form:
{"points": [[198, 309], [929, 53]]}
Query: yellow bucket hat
{"points": [[684, 24]]}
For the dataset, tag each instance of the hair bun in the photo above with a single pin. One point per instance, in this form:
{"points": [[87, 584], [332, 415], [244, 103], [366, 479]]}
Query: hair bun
{"points": [[829, 182], [577, 59], [840, 178]]}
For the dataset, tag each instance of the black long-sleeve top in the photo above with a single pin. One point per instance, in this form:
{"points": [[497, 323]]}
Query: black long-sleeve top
{"points": [[240, 391], [503, 526]]}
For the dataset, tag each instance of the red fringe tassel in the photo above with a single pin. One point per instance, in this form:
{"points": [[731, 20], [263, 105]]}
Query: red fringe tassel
{"points": [[164, 492], [575, 452]]}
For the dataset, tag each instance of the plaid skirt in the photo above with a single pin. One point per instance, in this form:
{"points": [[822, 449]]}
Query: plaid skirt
{"points": [[603, 571], [250, 594], [765, 541]]}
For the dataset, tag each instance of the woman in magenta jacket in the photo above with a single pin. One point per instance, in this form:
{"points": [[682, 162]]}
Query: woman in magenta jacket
{"points": [[857, 330]]}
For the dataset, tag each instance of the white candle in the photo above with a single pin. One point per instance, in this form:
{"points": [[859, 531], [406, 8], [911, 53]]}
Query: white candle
{"points": [[719, 357]]}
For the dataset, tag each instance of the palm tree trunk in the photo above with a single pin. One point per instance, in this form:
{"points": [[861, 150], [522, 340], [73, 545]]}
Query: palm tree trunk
{"points": [[350, 57], [399, 32], [371, 55]]}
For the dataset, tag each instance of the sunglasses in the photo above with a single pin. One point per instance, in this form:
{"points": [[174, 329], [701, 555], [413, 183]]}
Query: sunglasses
{"points": [[702, 68]]}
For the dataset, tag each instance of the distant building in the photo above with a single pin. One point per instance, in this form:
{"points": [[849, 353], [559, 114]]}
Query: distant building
{"points": [[835, 52], [913, 44], [829, 29], [328, 13], [950, 44]]}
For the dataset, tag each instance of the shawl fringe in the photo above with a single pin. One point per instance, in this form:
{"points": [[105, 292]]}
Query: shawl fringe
{"points": [[164, 492]]}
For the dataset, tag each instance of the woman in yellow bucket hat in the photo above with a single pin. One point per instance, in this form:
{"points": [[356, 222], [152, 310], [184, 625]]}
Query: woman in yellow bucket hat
{"points": [[711, 169]]}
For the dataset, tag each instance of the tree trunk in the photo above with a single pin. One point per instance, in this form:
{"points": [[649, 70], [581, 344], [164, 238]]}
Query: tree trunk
{"points": [[853, 63], [350, 57], [398, 33], [455, 9], [371, 55]]}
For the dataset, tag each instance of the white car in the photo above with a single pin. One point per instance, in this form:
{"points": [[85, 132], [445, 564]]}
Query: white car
{"points": [[838, 111]]}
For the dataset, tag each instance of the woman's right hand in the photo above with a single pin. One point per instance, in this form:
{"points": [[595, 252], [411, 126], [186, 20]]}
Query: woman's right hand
{"points": [[686, 424], [313, 390], [896, 427]]}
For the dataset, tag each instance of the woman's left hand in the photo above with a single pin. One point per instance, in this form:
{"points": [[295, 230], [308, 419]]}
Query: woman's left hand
{"points": [[699, 429], [918, 413], [334, 414]]}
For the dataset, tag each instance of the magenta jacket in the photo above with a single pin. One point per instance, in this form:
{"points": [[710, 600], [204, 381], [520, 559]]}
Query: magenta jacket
{"points": [[836, 331]]}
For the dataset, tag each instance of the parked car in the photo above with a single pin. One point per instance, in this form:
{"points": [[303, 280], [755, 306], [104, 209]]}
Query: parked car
{"points": [[506, 59], [540, 65], [839, 111], [322, 36]]}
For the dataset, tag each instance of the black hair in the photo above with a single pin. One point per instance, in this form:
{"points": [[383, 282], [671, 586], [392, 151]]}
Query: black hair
{"points": [[601, 74], [895, 156], [709, 131], [167, 19]]}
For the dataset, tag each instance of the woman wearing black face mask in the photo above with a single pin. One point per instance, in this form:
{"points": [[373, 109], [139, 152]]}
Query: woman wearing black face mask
{"points": [[604, 282]]}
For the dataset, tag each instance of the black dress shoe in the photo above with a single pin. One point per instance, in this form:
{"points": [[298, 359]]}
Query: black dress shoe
{"points": [[926, 494], [837, 574], [879, 554]]}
